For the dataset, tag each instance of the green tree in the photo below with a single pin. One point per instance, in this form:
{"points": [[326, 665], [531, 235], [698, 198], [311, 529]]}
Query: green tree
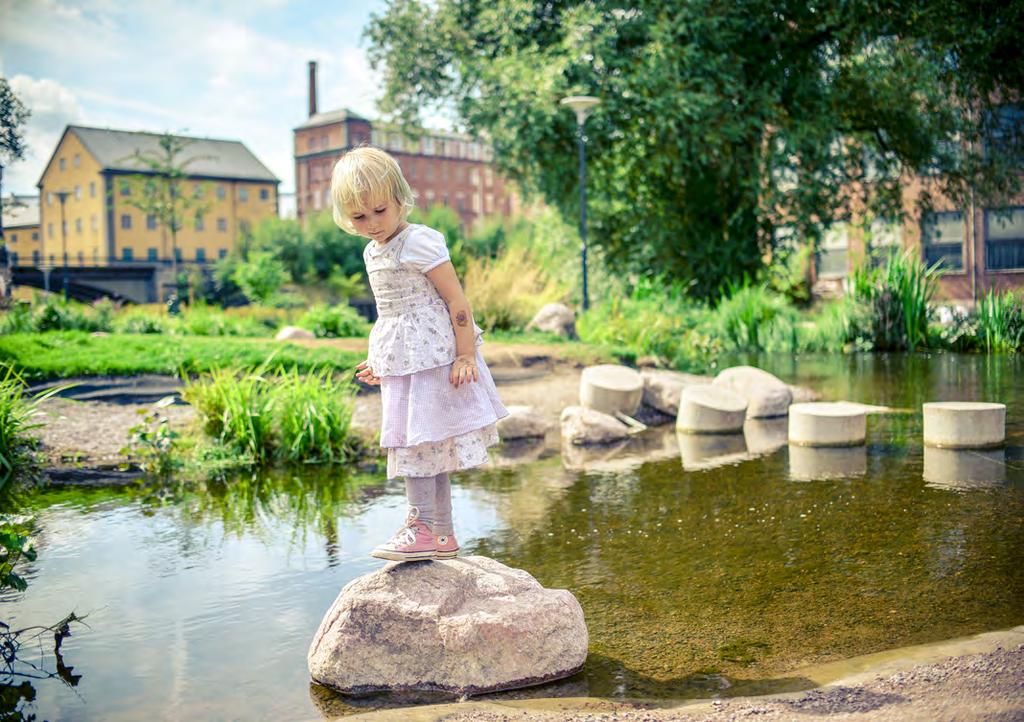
{"points": [[159, 188], [13, 115], [260, 276], [719, 121]]}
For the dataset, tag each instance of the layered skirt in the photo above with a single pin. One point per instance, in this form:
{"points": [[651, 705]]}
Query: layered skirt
{"points": [[430, 427]]}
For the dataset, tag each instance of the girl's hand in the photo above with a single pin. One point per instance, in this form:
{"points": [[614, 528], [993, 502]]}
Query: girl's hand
{"points": [[367, 376], [464, 371]]}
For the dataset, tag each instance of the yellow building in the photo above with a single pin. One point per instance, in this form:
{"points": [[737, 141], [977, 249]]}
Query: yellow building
{"points": [[85, 200], [21, 230]]}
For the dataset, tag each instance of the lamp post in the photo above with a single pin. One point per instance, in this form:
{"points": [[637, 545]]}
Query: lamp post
{"points": [[63, 196], [582, 106]]}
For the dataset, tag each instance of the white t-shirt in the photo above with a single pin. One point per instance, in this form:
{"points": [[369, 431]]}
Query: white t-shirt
{"points": [[425, 249]]}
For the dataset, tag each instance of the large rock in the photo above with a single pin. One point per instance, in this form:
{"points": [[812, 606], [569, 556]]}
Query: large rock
{"points": [[466, 626], [662, 389], [291, 333], [522, 422], [766, 395], [554, 318], [581, 425]]}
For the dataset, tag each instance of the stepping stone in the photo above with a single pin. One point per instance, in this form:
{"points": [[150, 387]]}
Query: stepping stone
{"points": [[611, 389], [463, 626], [964, 424], [709, 409], [827, 423], [963, 468], [766, 395], [820, 463]]}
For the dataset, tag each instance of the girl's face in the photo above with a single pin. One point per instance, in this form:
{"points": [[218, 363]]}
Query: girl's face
{"points": [[379, 221]]}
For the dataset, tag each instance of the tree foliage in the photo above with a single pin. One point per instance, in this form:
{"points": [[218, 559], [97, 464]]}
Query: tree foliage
{"points": [[720, 121]]}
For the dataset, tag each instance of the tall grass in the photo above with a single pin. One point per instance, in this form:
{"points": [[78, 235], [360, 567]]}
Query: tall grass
{"points": [[285, 416], [899, 293], [1000, 322], [16, 414], [754, 318], [506, 292]]}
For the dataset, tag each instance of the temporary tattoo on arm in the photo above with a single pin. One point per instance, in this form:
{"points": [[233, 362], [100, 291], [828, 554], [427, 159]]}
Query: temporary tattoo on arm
{"points": [[462, 318]]}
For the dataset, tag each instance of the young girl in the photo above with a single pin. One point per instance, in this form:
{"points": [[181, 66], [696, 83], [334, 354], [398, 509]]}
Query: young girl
{"points": [[439, 400]]}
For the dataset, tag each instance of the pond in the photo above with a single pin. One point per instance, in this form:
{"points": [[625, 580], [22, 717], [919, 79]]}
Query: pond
{"points": [[705, 570]]}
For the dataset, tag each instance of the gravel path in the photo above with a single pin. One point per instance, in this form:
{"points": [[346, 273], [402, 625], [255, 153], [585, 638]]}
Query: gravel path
{"points": [[988, 686]]}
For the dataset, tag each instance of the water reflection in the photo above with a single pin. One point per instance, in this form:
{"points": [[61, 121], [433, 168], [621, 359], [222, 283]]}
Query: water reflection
{"points": [[699, 452], [818, 463], [765, 436], [652, 445], [964, 468]]}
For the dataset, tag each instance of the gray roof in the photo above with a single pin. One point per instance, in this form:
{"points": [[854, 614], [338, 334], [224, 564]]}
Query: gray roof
{"points": [[115, 150], [331, 116], [20, 211]]}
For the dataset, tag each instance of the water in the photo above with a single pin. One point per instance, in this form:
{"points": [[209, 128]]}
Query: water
{"points": [[708, 570]]}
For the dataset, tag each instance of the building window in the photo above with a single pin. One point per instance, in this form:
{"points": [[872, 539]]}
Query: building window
{"points": [[243, 194], [222, 225], [198, 191], [1004, 239], [49, 231], [264, 194], [94, 222], [152, 255], [126, 221], [35, 235], [311, 142], [200, 224], [78, 193], [126, 190], [150, 222], [221, 193], [126, 254], [78, 226], [78, 160], [942, 237], [201, 255], [61, 163], [14, 258], [244, 227], [1005, 133], [14, 238], [35, 258], [49, 199], [222, 252], [81, 258], [831, 260], [177, 255], [92, 189]]}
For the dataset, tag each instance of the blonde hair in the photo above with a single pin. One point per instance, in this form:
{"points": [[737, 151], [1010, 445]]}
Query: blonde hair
{"points": [[366, 176]]}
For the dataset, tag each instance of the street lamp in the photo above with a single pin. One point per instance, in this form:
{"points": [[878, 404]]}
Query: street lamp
{"points": [[63, 196], [582, 105]]}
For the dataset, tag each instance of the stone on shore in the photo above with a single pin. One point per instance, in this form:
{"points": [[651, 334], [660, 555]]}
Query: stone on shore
{"points": [[766, 395], [662, 389], [292, 333], [554, 318], [466, 626], [581, 425], [522, 422]]}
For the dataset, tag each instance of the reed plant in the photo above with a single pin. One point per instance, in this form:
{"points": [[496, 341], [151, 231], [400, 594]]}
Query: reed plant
{"points": [[282, 416], [899, 294], [1000, 322], [751, 317]]}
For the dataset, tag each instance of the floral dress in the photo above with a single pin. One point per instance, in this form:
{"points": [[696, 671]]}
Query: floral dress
{"points": [[428, 426]]}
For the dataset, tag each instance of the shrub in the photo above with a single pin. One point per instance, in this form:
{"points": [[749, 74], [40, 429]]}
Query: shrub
{"points": [[753, 318], [260, 276], [338, 321], [507, 291]]}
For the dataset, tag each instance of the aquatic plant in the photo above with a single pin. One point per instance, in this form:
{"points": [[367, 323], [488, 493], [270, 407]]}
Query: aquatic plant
{"points": [[236, 410], [899, 292], [314, 412], [16, 412], [1000, 322]]}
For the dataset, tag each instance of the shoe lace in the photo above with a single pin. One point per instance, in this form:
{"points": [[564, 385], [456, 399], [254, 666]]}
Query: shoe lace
{"points": [[407, 535]]}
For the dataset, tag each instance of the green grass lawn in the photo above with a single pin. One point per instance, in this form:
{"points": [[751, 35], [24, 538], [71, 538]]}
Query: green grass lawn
{"points": [[62, 354]]}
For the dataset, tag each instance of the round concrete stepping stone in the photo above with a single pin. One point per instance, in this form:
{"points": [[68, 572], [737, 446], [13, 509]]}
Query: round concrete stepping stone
{"points": [[611, 389], [964, 424], [821, 463], [708, 409], [827, 423], [698, 452], [964, 468]]}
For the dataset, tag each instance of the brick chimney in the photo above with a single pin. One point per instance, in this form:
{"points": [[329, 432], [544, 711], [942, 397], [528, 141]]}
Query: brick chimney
{"points": [[312, 88]]}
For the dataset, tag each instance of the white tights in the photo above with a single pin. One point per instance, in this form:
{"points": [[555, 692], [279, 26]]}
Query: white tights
{"points": [[432, 495]]}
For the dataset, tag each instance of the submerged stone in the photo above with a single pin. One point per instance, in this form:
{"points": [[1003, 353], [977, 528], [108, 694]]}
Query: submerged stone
{"points": [[464, 626]]}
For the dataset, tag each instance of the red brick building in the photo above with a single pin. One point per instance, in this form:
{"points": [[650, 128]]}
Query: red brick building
{"points": [[446, 169]]}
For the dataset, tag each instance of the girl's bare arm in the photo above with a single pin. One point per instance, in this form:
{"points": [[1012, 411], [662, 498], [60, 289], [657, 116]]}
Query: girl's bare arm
{"points": [[464, 369]]}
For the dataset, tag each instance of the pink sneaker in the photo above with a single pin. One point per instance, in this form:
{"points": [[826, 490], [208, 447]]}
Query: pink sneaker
{"points": [[412, 542], [446, 546]]}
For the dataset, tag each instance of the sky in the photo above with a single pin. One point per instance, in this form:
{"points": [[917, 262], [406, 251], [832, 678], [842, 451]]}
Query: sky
{"points": [[235, 69]]}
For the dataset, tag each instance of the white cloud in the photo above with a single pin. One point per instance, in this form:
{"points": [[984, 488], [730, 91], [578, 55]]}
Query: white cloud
{"points": [[53, 107]]}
